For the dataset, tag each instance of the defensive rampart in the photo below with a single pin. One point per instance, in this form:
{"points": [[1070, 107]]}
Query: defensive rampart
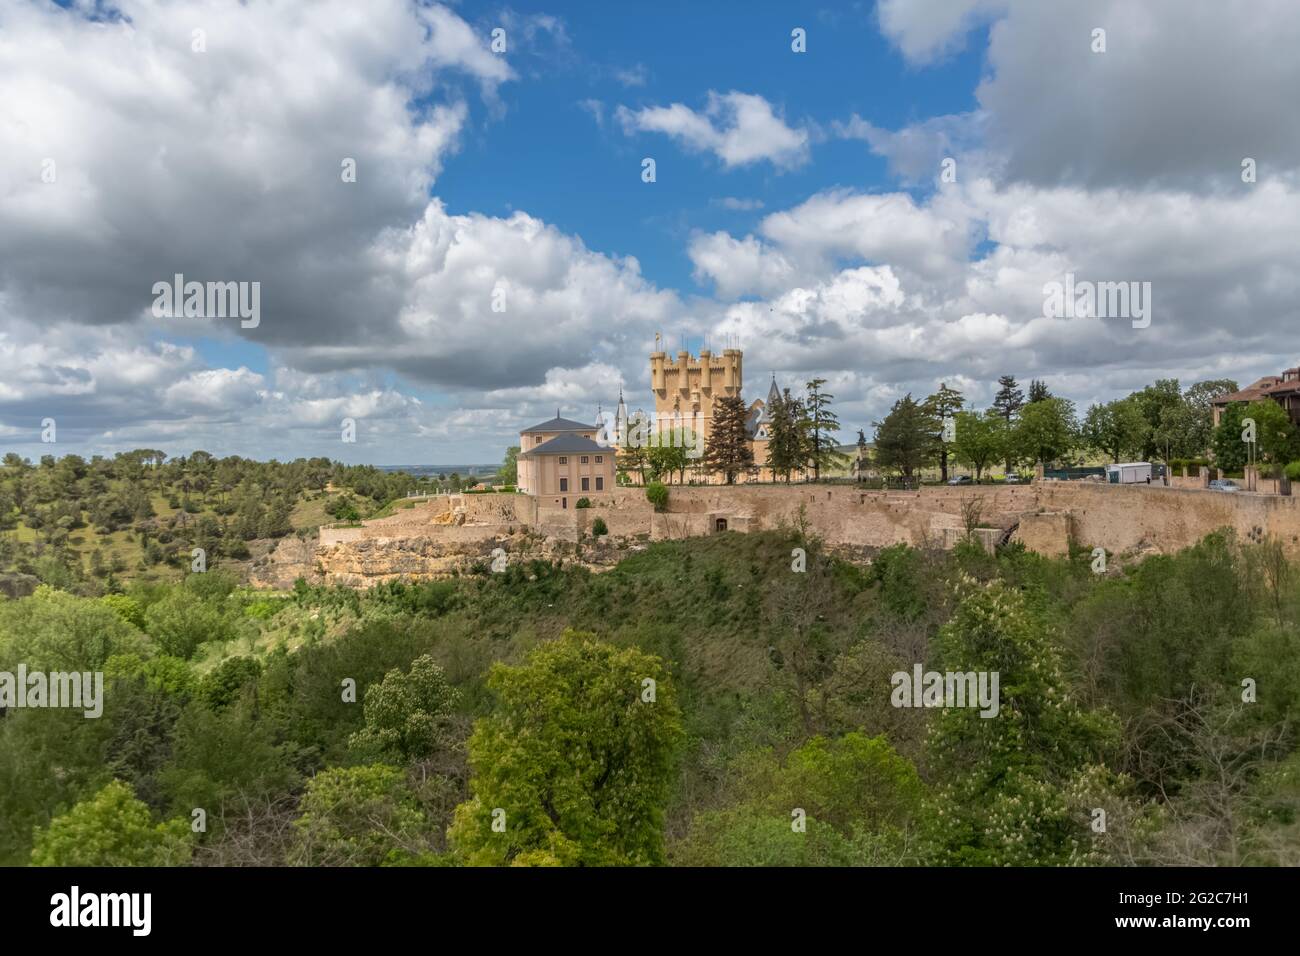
{"points": [[447, 533]]}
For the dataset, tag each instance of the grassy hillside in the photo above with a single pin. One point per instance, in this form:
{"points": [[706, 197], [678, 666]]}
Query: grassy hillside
{"points": [[89, 526]]}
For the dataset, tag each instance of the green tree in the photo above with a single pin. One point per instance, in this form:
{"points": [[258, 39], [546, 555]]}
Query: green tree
{"points": [[657, 494], [1275, 433], [1176, 435], [509, 471], [226, 683], [406, 712], [1117, 429], [728, 449], [360, 816], [52, 630], [822, 424], [223, 759], [664, 459], [1016, 787], [1197, 399], [861, 800], [787, 449], [112, 828], [632, 457], [905, 440], [1226, 442], [182, 620], [980, 439], [169, 675], [1153, 401], [941, 406], [575, 763], [745, 837], [1038, 391], [1046, 430], [1009, 399]]}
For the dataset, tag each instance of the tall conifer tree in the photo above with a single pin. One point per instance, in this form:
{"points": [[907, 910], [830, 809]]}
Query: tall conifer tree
{"points": [[729, 450]]}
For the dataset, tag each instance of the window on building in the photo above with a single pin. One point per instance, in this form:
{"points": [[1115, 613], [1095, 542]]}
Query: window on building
{"points": [[600, 459], [584, 459], [586, 484], [563, 460], [564, 484], [600, 484]]}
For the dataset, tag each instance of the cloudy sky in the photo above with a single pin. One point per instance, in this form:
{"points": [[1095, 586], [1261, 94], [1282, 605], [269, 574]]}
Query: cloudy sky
{"points": [[799, 207]]}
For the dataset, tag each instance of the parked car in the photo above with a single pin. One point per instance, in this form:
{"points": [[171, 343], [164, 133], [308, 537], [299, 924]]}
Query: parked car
{"points": [[1224, 484], [961, 480], [1013, 478]]}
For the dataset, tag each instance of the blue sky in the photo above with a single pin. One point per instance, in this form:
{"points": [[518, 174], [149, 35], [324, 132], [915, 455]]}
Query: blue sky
{"points": [[550, 157], [799, 208]]}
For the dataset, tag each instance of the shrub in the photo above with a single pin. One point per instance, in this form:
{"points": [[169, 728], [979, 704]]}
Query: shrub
{"points": [[1293, 471], [598, 527], [180, 622], [657, 494], [358, 816], [128, 609], [112, 828], [222, 686], [583, 503], [169, 675]]}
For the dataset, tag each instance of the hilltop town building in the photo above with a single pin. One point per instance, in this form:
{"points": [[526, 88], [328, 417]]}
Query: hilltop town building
{"points": [[1283, 389], [561, 459]]}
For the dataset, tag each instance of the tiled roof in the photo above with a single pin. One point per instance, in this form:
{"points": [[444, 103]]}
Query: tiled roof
{"points": [[1268, 385], [567, 445], [558, 424]]}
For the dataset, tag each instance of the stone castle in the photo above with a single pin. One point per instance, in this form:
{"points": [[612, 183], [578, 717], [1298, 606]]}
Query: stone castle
{"points": [[685, 391]]}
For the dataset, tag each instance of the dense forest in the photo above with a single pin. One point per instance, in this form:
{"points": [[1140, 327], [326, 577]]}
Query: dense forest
{"points": [[705, 702]]}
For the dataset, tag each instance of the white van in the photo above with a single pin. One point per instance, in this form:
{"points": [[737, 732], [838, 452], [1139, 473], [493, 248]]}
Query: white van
{"points": [[1129, 473]]}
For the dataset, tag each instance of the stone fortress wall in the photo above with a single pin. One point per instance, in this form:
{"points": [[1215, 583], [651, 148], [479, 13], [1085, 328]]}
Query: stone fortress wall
{"points": [[447, 532]]}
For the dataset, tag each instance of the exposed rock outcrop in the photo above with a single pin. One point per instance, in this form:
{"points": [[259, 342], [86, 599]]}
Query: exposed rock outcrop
{"points": [[369, 561]]}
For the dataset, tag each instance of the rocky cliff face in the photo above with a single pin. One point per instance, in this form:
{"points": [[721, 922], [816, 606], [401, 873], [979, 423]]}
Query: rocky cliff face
{"points": [[369, 561], [292, 558]]}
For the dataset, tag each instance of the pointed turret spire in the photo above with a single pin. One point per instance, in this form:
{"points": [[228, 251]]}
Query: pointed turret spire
{"points": [[620, 415]]}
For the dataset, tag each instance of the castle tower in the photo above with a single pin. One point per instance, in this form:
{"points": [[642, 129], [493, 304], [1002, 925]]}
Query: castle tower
{"points": [[688, 386]]}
